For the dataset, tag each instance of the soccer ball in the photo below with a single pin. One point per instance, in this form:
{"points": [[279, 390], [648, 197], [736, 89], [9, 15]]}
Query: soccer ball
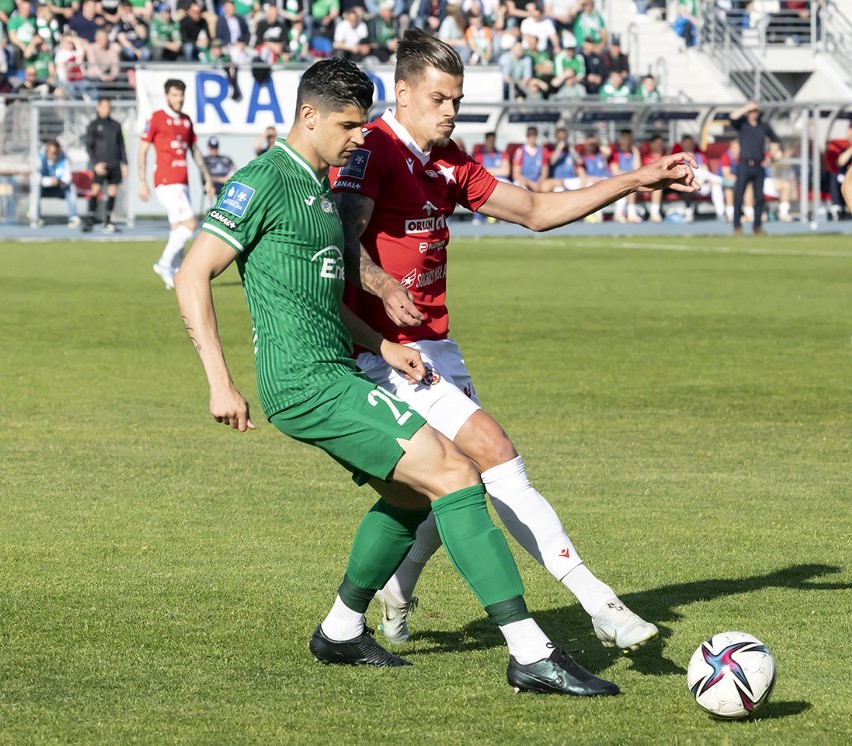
{"points": [[731, 675]]}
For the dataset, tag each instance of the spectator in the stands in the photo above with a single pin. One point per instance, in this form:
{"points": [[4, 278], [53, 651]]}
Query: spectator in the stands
{"points": [[383, 31], [230, 27], [351, 38], [194, 32], [616, 59], [512, 13], [595, 160], [656, 150], [542, 62], [142, 8], [69, 60], [517, 69], [561, 12], [565, 60], [541, 28], [492, 159], [428, 14], [271, 36], [452, 30], [479, 37], [86, 21], [840, 177], [41, 60], [647, 90], [779, 181], [55, 179], [594, 65], [528, 163], [32, 86], [298, 43], [686, 23], [295, 10], [103, 62], [565, 171], [711, 183], [569, 88], [625, 158], [324, 15], [21, 30], [589, 24], [48, 27], [165, 35], [131, 35], [109, 11], [265, 140], [62, 10], [615, 90]]}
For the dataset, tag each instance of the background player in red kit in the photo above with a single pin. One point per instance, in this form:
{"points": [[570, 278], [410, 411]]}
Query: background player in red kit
{"points": [[171, 133], [395, 196]]}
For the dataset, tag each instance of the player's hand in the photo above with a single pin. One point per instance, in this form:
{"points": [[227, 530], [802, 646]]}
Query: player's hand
{"points": [[230, 408], [403, 359], [123, 171], [399, 305], [669, 172], [100, 168], [210, 187], [144, 194]]}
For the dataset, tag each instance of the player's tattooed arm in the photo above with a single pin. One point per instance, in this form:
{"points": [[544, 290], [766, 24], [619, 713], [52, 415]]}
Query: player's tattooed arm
{"points": [[356, 211], [188, 327]]}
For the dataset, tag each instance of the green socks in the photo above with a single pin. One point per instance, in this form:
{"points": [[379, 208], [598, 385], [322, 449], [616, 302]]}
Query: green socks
{"points": [[381, 542], [478, 550]]}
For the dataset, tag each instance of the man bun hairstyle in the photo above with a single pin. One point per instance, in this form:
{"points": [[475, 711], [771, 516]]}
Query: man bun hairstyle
{"points": [[419, 51], [334, 84]]}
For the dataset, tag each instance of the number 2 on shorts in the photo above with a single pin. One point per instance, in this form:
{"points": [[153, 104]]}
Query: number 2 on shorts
{"points": [[375, 396]]}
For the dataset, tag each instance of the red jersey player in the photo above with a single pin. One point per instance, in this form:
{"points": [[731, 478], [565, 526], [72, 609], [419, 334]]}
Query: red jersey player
{"points": [[394, 198], [171, 133]]}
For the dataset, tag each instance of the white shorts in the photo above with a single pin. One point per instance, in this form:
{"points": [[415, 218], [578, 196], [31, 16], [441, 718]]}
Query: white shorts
{"points": [[770, 188], [448, 402], [175, 198], [575, 182]]}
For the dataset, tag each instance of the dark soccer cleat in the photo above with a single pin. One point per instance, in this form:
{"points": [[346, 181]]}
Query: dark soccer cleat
{"points": [[359, 651], [558, 674]]}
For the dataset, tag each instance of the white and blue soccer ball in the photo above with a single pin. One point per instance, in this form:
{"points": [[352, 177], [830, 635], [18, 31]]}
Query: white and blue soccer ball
{"points": [[731, 675]]}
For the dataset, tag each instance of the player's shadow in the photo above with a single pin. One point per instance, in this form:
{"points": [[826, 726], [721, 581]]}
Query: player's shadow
{"points": [[570, 626]]}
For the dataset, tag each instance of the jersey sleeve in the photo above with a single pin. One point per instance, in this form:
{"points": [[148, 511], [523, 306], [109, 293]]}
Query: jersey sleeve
{"points": [[150, 128], [366, 168], [242, 209], [477, 185]]}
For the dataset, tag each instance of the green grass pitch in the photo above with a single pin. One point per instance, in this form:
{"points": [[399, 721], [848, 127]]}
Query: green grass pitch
{"points": [[684, 403]]}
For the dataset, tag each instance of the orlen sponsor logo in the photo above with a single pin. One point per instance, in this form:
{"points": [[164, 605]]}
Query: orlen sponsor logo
{"points": [[425, 225], [412, 279]]}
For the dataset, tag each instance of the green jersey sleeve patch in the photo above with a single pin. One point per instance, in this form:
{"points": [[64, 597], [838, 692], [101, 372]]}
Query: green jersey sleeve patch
{"points": [[235, 199]]}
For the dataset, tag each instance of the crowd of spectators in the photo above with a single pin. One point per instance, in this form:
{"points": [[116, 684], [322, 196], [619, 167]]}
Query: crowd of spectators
{"points": [[545, 48], [562, 165]]}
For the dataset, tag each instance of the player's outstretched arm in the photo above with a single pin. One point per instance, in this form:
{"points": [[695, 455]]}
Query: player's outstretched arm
{"points": [[355, 211], [208, 258], [544, 211], [404, 359], [198, 157], [142, 167]]}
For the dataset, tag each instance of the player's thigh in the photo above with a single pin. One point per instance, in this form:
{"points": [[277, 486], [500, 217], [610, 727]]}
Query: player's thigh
{"points": [[483, 440], [446, 398], [175, 198], [358, 424]]}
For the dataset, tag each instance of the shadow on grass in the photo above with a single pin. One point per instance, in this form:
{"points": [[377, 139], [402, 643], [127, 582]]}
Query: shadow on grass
{"points": [[659, 605]]}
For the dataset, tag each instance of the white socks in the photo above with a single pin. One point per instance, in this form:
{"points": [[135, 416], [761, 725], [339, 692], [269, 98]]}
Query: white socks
{"points": [[526, 641], [426, 543], [342, 623], [172, 253], [529, 517]]}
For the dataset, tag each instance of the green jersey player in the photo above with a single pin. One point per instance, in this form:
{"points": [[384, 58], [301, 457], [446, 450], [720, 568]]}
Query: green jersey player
{"points": [[277, 220]]}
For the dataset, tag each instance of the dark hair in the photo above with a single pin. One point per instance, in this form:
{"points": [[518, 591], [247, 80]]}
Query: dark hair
{"points": [[494, 134], [174, 83], [334, 84], [419, 51]]}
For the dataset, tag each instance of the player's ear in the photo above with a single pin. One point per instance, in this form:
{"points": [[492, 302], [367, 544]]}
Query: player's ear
{"points": [[401, 92], [308, 116]]}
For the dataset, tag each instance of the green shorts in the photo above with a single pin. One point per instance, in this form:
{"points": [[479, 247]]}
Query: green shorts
{"points": [[356, 423]]}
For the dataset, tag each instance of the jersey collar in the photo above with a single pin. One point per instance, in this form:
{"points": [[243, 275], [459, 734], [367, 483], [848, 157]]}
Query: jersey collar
{"points": [[288, 149], [404, 136]]}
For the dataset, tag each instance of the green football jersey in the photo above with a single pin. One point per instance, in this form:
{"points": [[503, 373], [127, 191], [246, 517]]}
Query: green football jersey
{"points": [[280, 217]]}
